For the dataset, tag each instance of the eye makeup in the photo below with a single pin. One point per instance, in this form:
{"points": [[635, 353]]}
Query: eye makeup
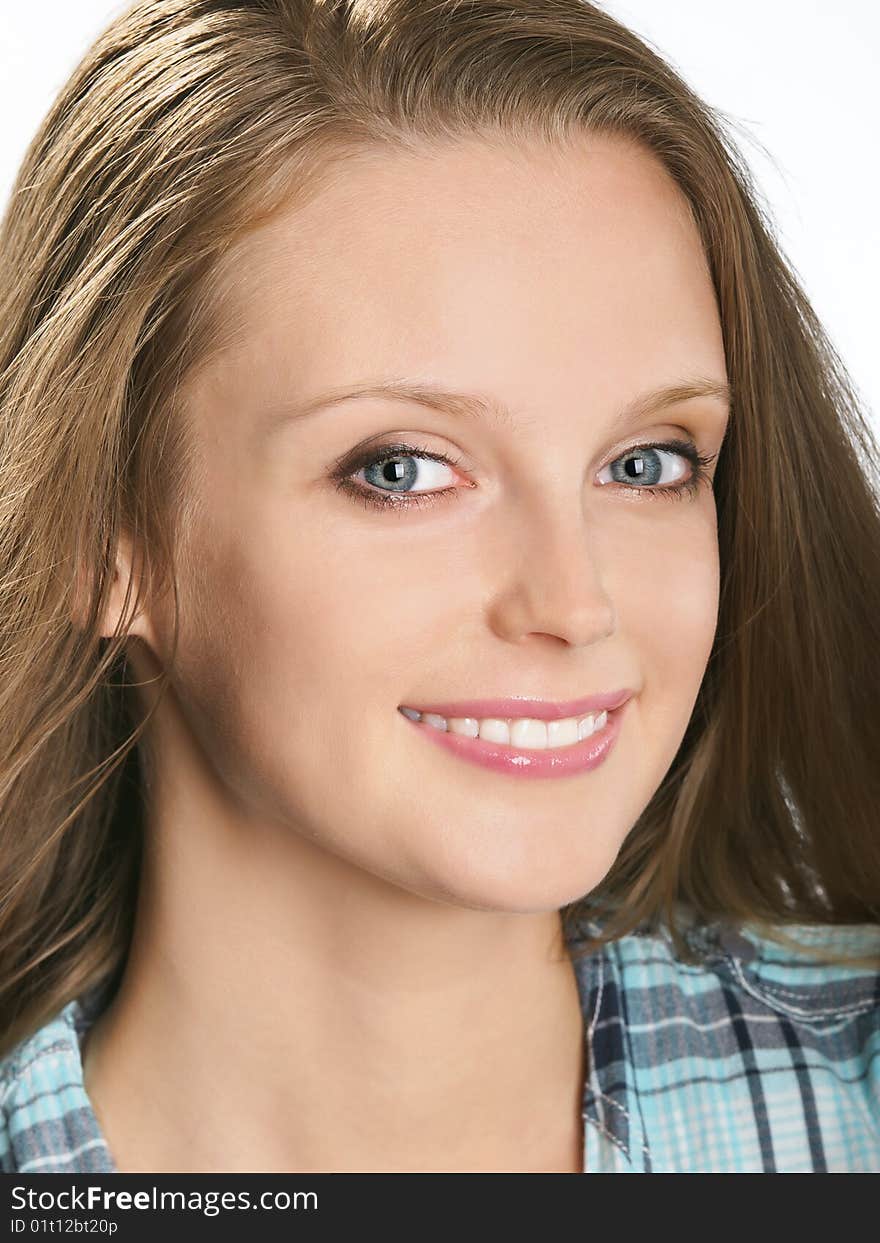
{"points": [[376, 455]]}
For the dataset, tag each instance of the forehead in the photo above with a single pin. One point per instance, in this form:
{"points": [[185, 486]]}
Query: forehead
{"points": [[502, 265]]}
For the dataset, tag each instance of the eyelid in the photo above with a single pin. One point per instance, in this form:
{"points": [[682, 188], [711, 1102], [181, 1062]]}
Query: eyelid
{"points": [[650, 436], [377, 448], [387, 442], [368, 450]]}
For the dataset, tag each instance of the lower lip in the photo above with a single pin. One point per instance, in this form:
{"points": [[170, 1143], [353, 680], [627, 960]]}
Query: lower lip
{"points": [[580, 757]]}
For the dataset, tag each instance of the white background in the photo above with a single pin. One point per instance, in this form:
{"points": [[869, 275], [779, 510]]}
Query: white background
{"points": [[796, 80]]}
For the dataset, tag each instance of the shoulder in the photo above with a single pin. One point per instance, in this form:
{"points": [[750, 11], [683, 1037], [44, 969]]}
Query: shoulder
{"points": [[792, 982], [757, 1057], [47, 1123]]}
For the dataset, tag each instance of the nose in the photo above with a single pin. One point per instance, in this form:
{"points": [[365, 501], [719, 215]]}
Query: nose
{"points": [[551, 581]]}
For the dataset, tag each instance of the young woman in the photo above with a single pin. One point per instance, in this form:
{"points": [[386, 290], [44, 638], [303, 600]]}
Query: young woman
{"points": [[440, 606]]}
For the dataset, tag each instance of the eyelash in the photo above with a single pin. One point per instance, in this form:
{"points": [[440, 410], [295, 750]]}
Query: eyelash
{"points": [[374, 498]]}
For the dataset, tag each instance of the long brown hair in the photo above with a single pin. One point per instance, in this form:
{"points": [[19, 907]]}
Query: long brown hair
{"points": [[187, 124]]}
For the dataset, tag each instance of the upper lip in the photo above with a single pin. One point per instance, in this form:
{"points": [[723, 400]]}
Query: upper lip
{"points": [[539, 709]]}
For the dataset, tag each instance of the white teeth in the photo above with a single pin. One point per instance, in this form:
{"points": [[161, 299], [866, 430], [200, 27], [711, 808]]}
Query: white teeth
{"points": [[526, 733], [564, 733], [494, 730], [529, 733]]}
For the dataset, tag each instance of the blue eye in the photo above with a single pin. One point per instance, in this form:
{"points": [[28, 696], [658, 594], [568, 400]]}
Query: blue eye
{"points": [[388, 463], [644, 465], [401, 472]]}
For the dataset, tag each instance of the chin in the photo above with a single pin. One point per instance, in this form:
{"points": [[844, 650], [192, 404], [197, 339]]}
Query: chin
{"points": [[513, 891]]}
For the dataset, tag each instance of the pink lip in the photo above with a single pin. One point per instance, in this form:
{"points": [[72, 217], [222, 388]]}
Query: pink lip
{"points": [[580, 757], [539, 709]]}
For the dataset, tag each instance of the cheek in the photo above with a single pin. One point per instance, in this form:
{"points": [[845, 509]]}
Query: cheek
{"points": [[669, 612], [287, 636]]}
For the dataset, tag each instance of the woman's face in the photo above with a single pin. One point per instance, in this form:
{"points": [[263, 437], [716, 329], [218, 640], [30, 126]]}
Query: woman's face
{"points": [[559, 285]]}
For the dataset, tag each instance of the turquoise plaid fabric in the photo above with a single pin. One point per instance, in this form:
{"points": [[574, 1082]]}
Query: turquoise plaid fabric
{"points": [[755, 1060]]}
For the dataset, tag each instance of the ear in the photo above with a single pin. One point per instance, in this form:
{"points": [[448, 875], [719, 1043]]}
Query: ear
{"points": [[137, 621]]}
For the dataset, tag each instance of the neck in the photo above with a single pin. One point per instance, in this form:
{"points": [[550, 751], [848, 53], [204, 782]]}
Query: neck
{"points": [[282, 1009]]}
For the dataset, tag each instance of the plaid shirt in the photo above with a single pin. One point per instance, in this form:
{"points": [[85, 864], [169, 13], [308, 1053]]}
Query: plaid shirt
{"points": [[756, 1060]]}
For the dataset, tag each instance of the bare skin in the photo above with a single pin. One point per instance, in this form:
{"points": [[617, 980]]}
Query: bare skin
{"points": [[347, 951]]}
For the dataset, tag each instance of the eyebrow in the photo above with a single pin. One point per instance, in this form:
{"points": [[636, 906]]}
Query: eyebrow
{"points": [[475, 406]]}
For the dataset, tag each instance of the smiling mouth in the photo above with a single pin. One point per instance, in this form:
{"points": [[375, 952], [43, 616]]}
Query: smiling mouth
{"points": [[525, 747], [520, 733]]}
